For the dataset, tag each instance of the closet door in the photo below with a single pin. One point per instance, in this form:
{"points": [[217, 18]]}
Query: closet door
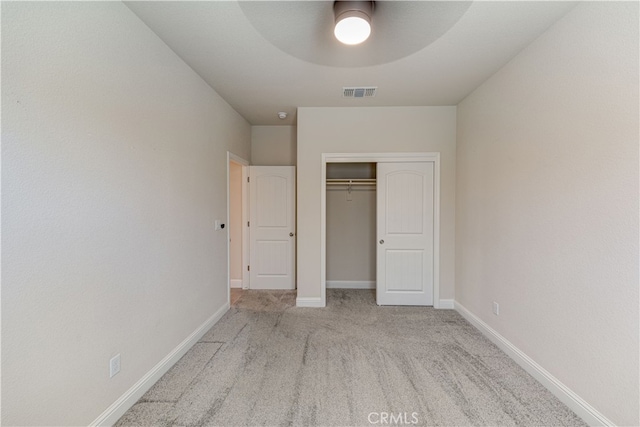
{"points": [[272, 227], [405, 233]]}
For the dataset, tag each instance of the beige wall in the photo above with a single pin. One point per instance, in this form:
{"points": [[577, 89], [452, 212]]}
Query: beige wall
{"points": [[235, 221], [547, 204], [273, 145], [372, 130], [113, 172]]}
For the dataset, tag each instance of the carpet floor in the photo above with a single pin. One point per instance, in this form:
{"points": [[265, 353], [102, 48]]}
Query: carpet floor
{"points": [[267, 362]]}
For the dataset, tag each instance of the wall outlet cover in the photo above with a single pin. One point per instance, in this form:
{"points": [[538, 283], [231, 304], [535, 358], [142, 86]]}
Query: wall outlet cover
{"points": [[114, 365]]}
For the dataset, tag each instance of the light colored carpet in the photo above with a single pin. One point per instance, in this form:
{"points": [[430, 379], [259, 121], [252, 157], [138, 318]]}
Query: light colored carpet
{"points": [[268, 362]]}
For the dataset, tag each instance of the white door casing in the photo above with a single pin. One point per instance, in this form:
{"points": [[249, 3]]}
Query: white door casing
{"points": [[405, 233], [272, 227], [244, 216]]}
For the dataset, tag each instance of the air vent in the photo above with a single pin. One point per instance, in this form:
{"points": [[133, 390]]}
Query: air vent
{"points": [[358, 92]]}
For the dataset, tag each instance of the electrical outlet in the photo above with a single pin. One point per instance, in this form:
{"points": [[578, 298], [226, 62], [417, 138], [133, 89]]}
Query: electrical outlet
{"points": [[114, 365], [496, 308]]}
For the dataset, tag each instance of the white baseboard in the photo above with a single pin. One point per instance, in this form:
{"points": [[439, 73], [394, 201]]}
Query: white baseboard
{"points": [[310, 302], [446, 304], [578, 405], [235, 283], [351, 284], [131, 396]]}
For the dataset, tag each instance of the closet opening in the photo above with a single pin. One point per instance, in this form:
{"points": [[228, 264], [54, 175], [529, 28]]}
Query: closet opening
{"points": [[387, 237], [351, 225]]}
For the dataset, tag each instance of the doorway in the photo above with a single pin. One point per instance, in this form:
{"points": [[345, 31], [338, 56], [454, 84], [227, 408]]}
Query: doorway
{"points": [[237, 217], [402, 259], [261, 226], [351, 225]]}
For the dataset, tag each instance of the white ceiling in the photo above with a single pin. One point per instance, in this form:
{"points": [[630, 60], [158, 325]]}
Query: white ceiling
{"points": [[268, 56]]}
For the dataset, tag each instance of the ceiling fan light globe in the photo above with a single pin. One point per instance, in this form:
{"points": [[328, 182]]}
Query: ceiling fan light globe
{"points": [[352, 28]]}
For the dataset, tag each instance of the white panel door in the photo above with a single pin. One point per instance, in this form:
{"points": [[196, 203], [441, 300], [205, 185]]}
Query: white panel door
{"points": [[272, 227], [405, 203]]}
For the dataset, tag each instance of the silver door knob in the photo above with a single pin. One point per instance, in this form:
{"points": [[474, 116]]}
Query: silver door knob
{"points": [[290, 234], [382, 242]]}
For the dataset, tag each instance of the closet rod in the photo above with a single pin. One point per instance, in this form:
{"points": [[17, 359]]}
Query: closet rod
{"points": [[351, 181], [354, 183]]}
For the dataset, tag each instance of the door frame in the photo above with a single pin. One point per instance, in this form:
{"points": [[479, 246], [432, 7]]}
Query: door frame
{"points": [[233, 158], [433, 157]]}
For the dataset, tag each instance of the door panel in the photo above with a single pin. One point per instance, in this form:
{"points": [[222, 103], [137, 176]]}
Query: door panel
{"points": [[405, 233], [271, 195], [405, 212], [272, 227], [404, 270], [273, 257]]}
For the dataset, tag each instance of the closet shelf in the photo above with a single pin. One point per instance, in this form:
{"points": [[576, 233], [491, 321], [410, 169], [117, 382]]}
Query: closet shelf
{"points": [[351, 182]]}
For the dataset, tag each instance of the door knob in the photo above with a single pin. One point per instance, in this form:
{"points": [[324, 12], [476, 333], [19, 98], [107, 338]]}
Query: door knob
{"points": [[290, 234], [382, 242]]}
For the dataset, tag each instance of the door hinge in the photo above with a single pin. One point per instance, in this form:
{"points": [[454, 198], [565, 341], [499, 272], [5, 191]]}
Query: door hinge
{"points": [[248, 224], [248, 268], [248, 179]]}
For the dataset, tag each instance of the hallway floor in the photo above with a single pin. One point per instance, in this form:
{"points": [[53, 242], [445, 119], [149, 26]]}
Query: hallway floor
{"points": [[235, 295], [268, 362]]}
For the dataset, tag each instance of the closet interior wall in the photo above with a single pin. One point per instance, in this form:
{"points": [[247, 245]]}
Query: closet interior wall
{"points": [[351, 226]]}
